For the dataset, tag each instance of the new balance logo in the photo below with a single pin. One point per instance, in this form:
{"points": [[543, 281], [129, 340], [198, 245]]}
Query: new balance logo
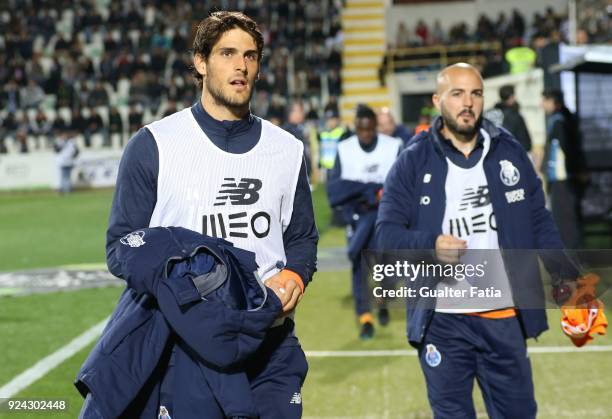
{"points": [[371, 169], [243, 192], [475, 198], [296, 398]]}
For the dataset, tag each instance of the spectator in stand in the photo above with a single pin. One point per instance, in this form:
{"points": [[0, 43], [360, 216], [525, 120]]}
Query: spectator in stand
{"points": [[32, 95], [21, 134], [277, 108], [520, 58], [42, 129], [115, 124], [170, 108], [388, 126], [78, 124], [9, 129], [422, 32], [10, 96], [403, 38], [334, 83], [98, 95], [65, 95], [332, 106], [437, 33], [134, 119], [95, 125]]}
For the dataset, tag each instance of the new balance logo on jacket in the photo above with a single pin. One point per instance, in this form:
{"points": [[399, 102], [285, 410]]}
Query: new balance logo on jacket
{"points": [[296, 398]]}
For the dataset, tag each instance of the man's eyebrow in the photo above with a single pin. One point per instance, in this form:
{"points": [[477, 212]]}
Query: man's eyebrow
{"points": [[234, 50], [227, 49]]}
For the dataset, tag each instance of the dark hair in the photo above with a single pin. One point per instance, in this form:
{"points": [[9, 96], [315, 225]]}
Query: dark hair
{"points": [[556, 95], [209, 31], [506, 91], [364, 111]]}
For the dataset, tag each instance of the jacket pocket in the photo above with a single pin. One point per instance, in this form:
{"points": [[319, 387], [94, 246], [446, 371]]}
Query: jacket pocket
{"points": [[135, 310]]}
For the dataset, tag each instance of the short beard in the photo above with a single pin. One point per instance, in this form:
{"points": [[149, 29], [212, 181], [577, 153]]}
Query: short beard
{"points": [[236, 107], [463, 134]]}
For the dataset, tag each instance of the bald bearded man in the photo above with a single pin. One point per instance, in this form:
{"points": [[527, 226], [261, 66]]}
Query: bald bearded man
{"points": [[466, 184]]}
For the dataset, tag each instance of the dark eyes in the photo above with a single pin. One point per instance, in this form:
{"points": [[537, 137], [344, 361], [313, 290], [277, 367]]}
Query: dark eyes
{"points": [[251, 56], [457, 94]]}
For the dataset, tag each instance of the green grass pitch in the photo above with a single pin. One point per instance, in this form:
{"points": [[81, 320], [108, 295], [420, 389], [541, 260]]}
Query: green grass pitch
{"points": [[44, 230]]}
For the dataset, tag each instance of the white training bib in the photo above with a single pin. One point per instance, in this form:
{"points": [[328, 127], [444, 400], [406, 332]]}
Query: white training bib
{"points": [[469, 216], [363, 166], [246, 198]]}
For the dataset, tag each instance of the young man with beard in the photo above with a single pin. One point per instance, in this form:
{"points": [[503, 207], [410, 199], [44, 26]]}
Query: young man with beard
{"points": [[467, 184], [217, 169]]}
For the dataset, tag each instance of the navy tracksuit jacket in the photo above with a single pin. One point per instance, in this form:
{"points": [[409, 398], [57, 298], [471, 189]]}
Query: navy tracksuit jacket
{"points": [[189, 293], [406, 222]]}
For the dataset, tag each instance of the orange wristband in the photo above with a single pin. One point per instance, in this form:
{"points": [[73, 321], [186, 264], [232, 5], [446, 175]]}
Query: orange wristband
{"points": [[286, 275]]}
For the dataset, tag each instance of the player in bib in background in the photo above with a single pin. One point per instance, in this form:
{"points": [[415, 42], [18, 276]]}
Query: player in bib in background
{"points": [[355, 186], [217, 169]]}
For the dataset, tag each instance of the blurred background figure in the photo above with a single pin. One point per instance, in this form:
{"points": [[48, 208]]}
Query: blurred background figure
{"points": [[423, 125], [388, 126], [67, 152], [329, 138], [355, 186], [506, 113], [563, 166], [295, 125]]}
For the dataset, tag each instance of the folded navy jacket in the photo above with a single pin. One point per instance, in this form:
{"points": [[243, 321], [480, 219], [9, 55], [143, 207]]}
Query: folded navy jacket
{"points": [[190, 294]]}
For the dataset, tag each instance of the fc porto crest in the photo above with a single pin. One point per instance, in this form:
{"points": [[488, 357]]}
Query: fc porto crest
{"points": [[135, 239], [509, 174], [433, 357]]}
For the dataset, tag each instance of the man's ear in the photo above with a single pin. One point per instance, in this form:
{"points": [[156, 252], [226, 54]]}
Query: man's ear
{"points": [[435, 98], [200, 64]]}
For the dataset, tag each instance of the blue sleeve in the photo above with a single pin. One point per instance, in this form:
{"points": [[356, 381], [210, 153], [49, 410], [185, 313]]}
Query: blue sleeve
{"points": [[135, 193], [348, 192], [395, 223], [301, 237]]}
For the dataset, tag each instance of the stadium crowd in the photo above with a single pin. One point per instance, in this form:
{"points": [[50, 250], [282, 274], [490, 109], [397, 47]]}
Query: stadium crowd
{"points": [[109, 67], [512, 30]]}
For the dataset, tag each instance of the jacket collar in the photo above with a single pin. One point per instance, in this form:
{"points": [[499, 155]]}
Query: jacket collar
{"points": [[436, 127]]}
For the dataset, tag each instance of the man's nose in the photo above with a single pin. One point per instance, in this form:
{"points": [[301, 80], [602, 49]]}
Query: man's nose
{"points": [[240, 64], [468, 101]]}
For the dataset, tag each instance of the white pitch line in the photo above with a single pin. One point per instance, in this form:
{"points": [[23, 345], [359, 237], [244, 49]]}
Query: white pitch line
{"points": [[411, 352], [51, 361], [42, 367]]}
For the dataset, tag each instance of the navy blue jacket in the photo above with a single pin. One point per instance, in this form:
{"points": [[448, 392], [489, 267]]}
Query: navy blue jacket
{"points": [[191, 294], [406, 222], [358, 202]]}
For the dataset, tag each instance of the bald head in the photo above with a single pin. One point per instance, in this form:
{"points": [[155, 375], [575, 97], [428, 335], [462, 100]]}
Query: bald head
{"points": [[445, 77], [459, 99]]}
